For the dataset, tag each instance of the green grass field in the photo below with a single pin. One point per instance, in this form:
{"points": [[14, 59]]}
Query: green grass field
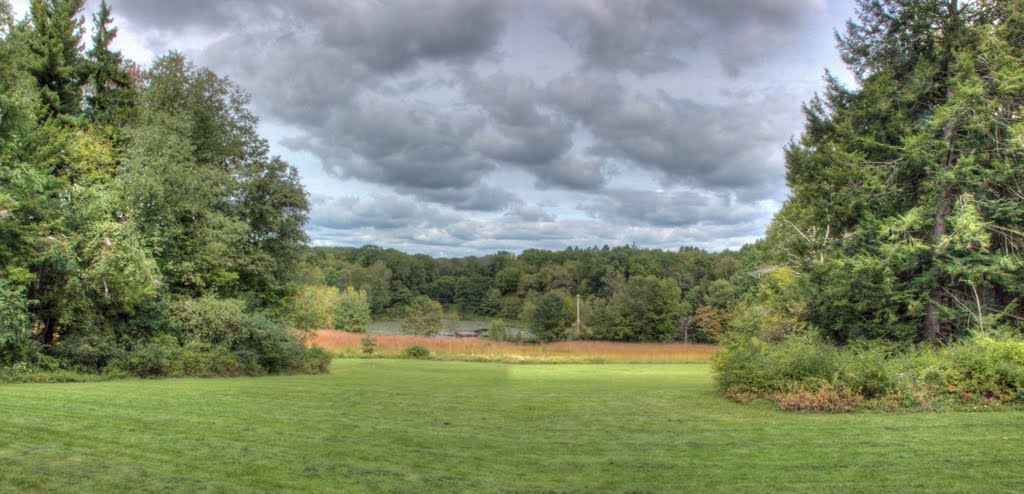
{"points": [[424, 426]]}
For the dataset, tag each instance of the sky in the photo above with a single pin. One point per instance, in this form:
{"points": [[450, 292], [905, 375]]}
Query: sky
{"points": [[465, 127]]}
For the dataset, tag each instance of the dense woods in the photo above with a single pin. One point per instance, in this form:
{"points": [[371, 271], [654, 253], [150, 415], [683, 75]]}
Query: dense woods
{"points": [[143, 223]]}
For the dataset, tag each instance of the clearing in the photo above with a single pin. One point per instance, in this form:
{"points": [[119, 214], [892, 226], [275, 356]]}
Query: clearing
{"points": [[427, 426]]}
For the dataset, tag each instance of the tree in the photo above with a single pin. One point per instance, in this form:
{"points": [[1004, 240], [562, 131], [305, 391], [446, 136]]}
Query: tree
{"points": [[647, 308], [112, 91], [353, 311], [904, 206], [552, 317], [315, 307], [58, 65], [423, 316]]}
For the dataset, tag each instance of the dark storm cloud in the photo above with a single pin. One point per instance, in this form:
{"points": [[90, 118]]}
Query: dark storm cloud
{"points": [[672, 209], [648, 36], [419, 98], [382, 213], [718, 147]]}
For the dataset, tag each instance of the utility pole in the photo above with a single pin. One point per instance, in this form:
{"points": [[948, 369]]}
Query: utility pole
{"points": [[577, 315]]}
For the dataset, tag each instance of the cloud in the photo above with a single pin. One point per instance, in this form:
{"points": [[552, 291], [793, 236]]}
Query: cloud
{"points": [[716, 147], [448, 122], [379, 212], [679, 208], [651, 36]]}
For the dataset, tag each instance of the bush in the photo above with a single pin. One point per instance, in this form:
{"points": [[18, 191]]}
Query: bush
{"points": [[315, 307], [353, 311], [157, 357], [749, 364], [423, 317], [804, 373], [89, 353], [498, 331], [16, 342], [415, 352]]}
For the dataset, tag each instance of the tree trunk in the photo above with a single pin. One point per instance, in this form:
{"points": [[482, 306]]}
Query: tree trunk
{"points": [[48, 332], [932, 327]]}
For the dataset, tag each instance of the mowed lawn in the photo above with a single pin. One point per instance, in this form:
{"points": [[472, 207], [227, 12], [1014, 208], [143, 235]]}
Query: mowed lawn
{"points": [[426, 426]]}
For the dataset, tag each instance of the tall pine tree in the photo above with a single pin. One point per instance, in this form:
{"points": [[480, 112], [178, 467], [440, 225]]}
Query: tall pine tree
{"points": [[59, 67], [905, 214], [112, 92]]}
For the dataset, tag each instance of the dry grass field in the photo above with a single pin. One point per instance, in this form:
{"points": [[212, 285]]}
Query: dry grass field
{"points": [[350, 344]]}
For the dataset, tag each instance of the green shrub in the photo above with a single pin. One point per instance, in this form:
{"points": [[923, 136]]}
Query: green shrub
{"points": [[16, 342], [749, 364], [803, 373], [498, 331], [89, 353], [423, 317], [157, 357], [353, 311], [415, 352]]}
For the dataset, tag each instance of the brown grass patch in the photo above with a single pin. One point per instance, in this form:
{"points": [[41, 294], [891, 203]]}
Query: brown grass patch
{"points": [[350, 344], [824, 398]]}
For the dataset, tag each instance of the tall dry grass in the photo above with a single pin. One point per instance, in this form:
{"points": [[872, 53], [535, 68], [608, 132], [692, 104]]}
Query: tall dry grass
{"points": [[350, 344]]}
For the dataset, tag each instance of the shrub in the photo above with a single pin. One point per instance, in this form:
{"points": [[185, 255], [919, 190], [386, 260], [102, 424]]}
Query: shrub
{"points": [[825, 397], [498, 331], [804, 373], [315, 307], [353, 311], [211, 321], [552, 316], [157, 357], [423, 317], [89, 353], [415, 352], [749, 364], [16, 342]]}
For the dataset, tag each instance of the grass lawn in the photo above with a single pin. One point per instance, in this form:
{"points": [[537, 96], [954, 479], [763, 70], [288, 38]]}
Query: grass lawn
{"points": [[423, 426]]}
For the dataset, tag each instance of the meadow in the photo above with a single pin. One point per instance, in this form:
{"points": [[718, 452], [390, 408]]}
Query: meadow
{"points": [[429, 426], [476, 349]]}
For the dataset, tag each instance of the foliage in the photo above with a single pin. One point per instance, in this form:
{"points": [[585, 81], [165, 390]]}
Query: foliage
{"points": [[137, 206], [353, 311], [801, 370], [552, 317], [315, 307], [498, 331], [423, 316], [416, 352]]}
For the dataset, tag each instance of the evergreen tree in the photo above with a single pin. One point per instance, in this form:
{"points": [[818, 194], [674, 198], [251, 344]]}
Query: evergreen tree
{"points": [[58, 66], [112, 93], [905, 213]]}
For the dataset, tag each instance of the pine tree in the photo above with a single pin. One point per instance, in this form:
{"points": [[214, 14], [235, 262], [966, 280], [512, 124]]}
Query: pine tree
{"points": [[905, 207], [59, 67], [112, 92]]}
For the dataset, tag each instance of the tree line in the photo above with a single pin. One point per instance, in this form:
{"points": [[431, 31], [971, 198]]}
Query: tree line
{"points": [[626, 293]]}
